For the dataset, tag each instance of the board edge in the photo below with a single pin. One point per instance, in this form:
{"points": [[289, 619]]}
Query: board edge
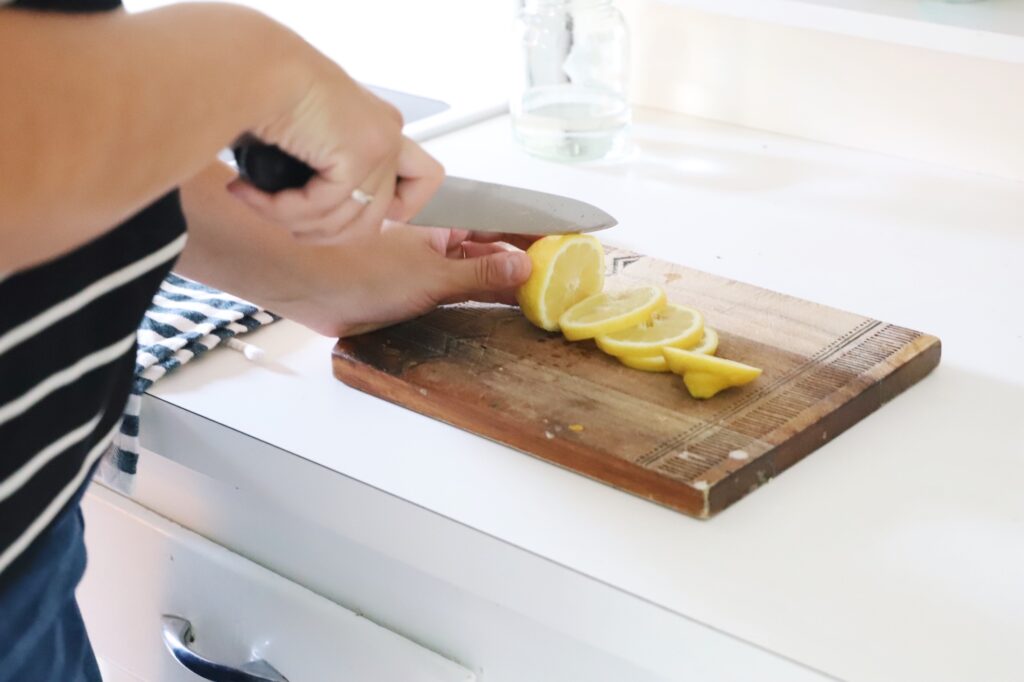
{"points": [[744, 481]]}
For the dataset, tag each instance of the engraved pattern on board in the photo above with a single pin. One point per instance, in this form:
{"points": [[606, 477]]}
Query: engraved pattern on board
{"points": [[753, 427]]}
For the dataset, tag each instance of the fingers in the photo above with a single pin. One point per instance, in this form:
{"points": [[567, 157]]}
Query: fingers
{"points": [[471, 250], [491, 273], [485, 277], [402, 271], [321, 198], [469, 267], [354, 141], [506, 297], [521, 241], [302, 210], [374, 213], [419, 175], [316, 199], [351, 218], [457, 237], [317, 214]]}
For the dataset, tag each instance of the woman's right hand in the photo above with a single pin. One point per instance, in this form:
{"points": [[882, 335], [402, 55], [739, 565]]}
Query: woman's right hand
{"points": [[354, 141], [147, 99]]}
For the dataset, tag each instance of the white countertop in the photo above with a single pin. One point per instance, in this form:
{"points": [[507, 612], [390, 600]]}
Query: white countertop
{"points": [[895, 552]]}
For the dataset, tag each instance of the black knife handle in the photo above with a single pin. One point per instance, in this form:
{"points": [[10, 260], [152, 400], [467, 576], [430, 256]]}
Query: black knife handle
{"points": [[268, 167]]}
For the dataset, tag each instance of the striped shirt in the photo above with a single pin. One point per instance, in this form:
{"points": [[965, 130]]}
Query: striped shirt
{"points": [[67, 350]]}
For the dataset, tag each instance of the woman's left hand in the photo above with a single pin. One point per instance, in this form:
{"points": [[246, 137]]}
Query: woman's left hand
{"points": [[380, 278]]}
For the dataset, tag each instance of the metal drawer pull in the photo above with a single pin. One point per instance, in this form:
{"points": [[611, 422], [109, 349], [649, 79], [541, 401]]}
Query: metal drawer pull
{"points": [[178, 635]]}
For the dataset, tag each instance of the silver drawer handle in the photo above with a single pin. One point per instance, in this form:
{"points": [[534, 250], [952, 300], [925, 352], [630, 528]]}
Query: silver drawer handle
{"points": [[178, 635]]}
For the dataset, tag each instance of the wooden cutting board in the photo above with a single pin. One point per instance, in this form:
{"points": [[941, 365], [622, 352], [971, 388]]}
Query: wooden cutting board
{"points": [[487, 370]]}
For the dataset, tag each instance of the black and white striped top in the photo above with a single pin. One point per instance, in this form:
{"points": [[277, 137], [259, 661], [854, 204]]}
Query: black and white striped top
{"points": [[67, 351]]}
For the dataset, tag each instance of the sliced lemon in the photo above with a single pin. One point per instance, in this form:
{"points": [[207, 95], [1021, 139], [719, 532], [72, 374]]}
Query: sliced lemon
{"points": [[674, 325], [646, 363], [566, 269], [657, 363], [611, 311], [709, 344], [706, 375]]}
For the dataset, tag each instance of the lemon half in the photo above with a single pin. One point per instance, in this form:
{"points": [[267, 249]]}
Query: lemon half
{"points": [[706, 375], [566, 269], [611, 311], [674, 325]]}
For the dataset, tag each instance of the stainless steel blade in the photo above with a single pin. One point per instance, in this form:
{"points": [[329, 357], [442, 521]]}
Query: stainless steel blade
{"points": [[489, 207]]}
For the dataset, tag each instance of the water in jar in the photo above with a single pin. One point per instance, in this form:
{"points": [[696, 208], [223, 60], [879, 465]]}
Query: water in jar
{"points": [[570, 101]]}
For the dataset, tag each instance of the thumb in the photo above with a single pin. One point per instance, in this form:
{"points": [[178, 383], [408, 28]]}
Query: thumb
{"points": [[492, 273]]}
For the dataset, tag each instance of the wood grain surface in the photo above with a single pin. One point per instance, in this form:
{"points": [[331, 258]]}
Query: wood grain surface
{"points": [[487, 370]]}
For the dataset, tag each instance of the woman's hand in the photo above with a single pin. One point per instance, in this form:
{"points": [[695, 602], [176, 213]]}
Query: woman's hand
{"points": [[376, 278], [401, 272], [354, 141]]}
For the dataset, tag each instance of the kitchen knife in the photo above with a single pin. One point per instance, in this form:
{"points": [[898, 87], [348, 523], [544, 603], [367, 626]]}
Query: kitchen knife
{"points": [[459, 202]]}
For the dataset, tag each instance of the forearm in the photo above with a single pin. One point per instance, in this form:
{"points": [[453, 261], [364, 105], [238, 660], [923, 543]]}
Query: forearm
{"points": [[102, 114]]}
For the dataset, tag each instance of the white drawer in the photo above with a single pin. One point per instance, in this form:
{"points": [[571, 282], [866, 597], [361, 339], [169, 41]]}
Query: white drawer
{"points": [[142, 566], [505, 613]]}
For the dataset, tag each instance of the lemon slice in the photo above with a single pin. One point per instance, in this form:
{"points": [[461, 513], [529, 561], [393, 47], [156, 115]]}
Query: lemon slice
{"points": [[611, 311], [566, 269], [675, 325], [708, 345], [646, 363], [657, 363], [706, 375]]}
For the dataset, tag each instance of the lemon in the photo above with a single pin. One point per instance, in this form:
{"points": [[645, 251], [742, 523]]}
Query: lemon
{"points": [[646, 363], [706, 375], [611, 311], [708, 345], [657, 363], [566, 269], [674, 325]]}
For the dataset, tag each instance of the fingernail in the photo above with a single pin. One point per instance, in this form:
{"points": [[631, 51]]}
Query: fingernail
{"points": [[517, 267]]}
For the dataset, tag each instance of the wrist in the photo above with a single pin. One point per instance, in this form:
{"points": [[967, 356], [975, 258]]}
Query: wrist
{"points": [[252, 67], [284, 74], [303, 82], [273, 67], [234, 67]]}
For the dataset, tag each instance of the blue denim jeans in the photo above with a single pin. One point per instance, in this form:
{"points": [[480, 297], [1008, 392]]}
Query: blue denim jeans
{"points": [[42, 636]]}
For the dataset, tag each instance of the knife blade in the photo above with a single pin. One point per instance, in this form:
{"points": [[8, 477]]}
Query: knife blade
{"points": [[459, 202], [489, 207]]}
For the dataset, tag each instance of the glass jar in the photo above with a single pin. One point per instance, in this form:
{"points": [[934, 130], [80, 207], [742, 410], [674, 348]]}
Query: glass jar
{"points": [[569, 101]]}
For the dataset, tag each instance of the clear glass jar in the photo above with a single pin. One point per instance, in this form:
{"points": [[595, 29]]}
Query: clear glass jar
{"points": [[569, 101]]}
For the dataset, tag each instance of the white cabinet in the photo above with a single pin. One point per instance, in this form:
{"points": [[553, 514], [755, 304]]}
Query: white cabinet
{"points": [[142, 566], [504, 613]]}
